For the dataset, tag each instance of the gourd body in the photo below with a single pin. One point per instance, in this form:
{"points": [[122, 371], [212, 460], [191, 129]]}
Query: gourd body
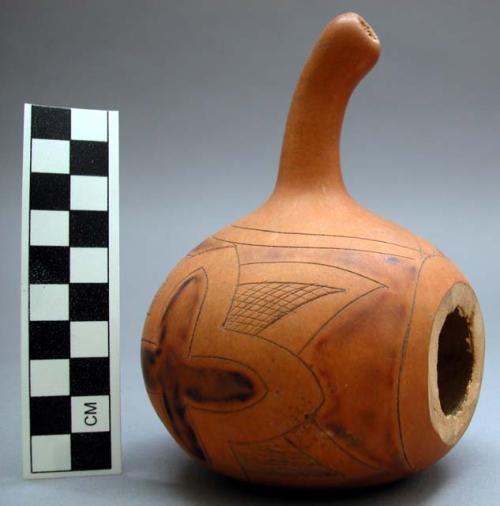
{"points": [[313, 343]]}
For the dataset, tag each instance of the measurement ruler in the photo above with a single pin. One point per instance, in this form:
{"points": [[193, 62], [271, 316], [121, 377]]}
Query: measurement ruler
{"points": [[70, 293]]}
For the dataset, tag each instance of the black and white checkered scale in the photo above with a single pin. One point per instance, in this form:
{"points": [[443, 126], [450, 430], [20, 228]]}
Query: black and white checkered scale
{"points": [[69, 291]]}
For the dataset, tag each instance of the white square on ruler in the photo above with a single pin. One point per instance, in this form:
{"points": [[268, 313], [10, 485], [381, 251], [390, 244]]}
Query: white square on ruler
{"points": [[90, 413], [88, 265], [49, 377], [88, 125], [89, 339], [51, 453], [49, 302], [49, 155], [49, 228], [89, 193]]}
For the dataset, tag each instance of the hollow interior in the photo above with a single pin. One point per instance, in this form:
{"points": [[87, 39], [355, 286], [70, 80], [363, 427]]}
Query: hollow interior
{"points": [[455, 361]]}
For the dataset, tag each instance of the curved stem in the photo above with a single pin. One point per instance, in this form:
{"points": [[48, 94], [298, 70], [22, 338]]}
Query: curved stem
{"points": [[345, 51]]}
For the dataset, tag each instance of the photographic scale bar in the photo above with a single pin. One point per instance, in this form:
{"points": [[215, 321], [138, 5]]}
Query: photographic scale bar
{"points": [[70, 293]]}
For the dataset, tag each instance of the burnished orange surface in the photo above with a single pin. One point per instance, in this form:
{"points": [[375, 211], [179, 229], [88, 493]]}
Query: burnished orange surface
{"points": [[293, 347]]}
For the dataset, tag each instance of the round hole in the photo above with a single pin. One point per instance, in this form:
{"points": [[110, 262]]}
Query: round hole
{"points": [[455, 361]]}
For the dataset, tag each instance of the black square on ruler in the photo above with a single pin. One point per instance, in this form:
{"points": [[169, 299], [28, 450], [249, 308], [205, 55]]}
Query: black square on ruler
{"points": [[50, 191], [91, 450], [88, 229], [89, 376], [88, 158], [50, 415], [88, 301], [49, 340], [50, 123], [49, 264]]}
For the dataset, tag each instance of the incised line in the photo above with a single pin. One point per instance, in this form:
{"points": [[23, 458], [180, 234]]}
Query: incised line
{"points": [[290, 352], [207, 251], [238, 460], [316, 247], [333, 472], [245, 366], [324, 235], [404, 348], [235, 286], [336, 314], [317, 263], [341, 448]]}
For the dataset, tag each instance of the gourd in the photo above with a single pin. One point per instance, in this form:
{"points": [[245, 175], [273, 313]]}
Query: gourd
{"points": [[313, 343]]}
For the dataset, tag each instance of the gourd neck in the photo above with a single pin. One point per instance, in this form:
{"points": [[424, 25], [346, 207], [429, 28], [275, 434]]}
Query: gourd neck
{"points": [[310, 158]]}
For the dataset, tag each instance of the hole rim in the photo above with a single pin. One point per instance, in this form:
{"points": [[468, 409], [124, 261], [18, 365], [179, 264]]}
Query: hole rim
{"points": [[367, 28], [451, 426]]}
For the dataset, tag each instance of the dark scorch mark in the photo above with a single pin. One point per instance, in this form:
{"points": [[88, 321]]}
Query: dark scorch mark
{"points": [[184, 381]]}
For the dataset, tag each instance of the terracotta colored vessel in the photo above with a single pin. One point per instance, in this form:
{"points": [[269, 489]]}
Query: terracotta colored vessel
{"points": [[313, 343]]}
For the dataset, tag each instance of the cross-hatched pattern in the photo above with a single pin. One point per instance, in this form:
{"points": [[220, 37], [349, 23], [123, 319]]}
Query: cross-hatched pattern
{"points": [[258, 305], [278, 457]]}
